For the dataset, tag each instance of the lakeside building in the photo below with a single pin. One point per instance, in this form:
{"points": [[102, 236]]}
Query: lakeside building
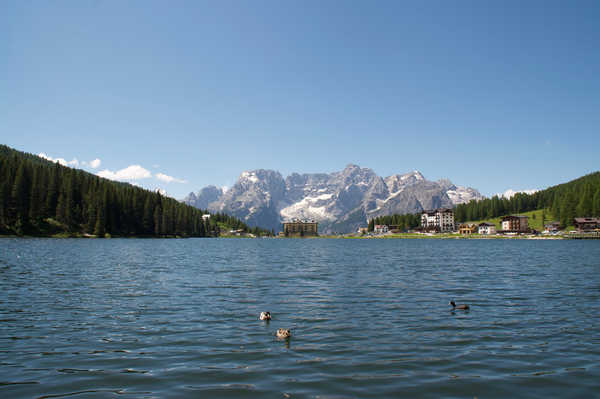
{"points": [[394, 229], [301, 228], [467, 228], [362, 230], [586, 224], [486, 228], [441, 220], [552, 227], [380, 229], [515, 224]]}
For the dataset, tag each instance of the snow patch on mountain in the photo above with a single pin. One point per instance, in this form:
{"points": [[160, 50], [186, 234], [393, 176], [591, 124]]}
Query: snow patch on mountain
{"points": [[250, 176], [339, 201]]}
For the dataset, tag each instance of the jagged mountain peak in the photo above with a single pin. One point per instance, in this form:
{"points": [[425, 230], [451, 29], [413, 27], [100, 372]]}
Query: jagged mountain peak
{"points": [[341, 201], [447, 184]]}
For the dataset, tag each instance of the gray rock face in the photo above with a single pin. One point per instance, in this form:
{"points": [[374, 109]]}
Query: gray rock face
{"points": [[204, 197], [340, 201]]}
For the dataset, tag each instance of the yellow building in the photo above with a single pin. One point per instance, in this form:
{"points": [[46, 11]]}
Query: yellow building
{"points": [[470, 228], [301, 228]]}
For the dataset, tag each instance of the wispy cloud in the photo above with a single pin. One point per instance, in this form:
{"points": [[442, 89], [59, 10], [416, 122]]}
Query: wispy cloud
{"points": [[169, 179], [132, 172], [510, 193], [95, 164], [61, 161]]}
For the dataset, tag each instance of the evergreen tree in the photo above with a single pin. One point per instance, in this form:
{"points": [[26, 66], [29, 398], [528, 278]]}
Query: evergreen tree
{"points": [[157, 220], [148, 220], [52, 191], [35, 211], [100, 226], [3, 205], [586, 201], [596, 203], [20, 199], [567, 210]]}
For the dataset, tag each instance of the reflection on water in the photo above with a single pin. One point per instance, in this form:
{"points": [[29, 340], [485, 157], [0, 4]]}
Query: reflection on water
{"points": [[369, 318]]}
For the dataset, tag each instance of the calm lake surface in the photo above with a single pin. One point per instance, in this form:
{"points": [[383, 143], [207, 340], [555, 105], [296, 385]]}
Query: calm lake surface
{"points": [[134, 318]]}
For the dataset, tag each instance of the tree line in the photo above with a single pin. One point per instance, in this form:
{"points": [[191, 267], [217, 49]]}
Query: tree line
{"points": [[38, 197], [577, 198], [401, 222]]}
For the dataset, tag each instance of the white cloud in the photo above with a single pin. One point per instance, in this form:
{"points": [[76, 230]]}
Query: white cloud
{"points": [[61, 161], [95, 163], [168, 179], [510, 192], [92, 164], [132, 172]]}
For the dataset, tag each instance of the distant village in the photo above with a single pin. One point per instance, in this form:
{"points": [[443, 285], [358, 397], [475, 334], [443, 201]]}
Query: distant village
{"points": [[442, 220]]}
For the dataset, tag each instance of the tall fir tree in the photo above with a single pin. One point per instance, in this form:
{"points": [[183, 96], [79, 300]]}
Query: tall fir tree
{"points": [[596, 203], [20, 199]]}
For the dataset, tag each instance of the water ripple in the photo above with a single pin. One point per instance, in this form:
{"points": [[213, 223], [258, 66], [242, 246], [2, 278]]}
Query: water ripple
{"points": [[179, 318]]}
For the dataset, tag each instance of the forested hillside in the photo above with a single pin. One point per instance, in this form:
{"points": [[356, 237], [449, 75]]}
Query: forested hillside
{"points": [[38, 197], [577, 198]]}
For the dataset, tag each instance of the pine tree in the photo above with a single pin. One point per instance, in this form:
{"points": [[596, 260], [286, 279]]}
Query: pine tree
{"points": [[20, 199], [596, 203], [157, 220], [3, 205], [585, 205], [52, 191], [567, 210], [35, 212], [91, 217], [148, 220], [100, 227]]}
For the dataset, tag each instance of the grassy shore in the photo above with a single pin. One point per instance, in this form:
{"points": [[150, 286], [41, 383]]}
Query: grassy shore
{"points": [[448, 236], [534, 220]]}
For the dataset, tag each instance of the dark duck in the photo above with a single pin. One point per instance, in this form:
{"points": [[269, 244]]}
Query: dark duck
{"points": [[460, 307]]}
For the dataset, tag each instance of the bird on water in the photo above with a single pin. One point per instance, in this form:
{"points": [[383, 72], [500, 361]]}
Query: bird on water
{"points": [[455, 306], [283, 333], [265, 316]]}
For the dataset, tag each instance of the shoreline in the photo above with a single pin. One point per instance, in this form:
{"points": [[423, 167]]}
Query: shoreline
{"points": [[444, 237], [402, 236]]}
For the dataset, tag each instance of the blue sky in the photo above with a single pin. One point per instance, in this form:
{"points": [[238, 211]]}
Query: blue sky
{"points": [[179, 95]]}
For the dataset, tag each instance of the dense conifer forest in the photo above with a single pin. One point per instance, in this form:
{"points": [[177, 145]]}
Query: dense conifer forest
{"points": [[401, 222], [577, 198], [38, 197]]}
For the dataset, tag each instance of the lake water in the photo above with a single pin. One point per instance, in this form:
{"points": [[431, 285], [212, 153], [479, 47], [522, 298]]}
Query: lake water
{"points": [[134, 318]]}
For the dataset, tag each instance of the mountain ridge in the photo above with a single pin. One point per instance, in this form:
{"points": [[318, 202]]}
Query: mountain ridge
{"points": [[340, 201]]}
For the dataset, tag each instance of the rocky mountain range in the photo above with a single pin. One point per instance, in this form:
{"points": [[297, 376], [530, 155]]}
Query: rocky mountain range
{"points": [[340, 201]]}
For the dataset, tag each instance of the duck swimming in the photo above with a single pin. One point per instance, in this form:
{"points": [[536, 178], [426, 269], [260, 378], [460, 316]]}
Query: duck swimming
{"points": [[283, 333], [461, 307], [265, 316]]}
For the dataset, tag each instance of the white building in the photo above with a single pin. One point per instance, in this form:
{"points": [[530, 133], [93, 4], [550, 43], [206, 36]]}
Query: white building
{"points": [[380, 228], [515, 224], [441, 220], [486, 228]]}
